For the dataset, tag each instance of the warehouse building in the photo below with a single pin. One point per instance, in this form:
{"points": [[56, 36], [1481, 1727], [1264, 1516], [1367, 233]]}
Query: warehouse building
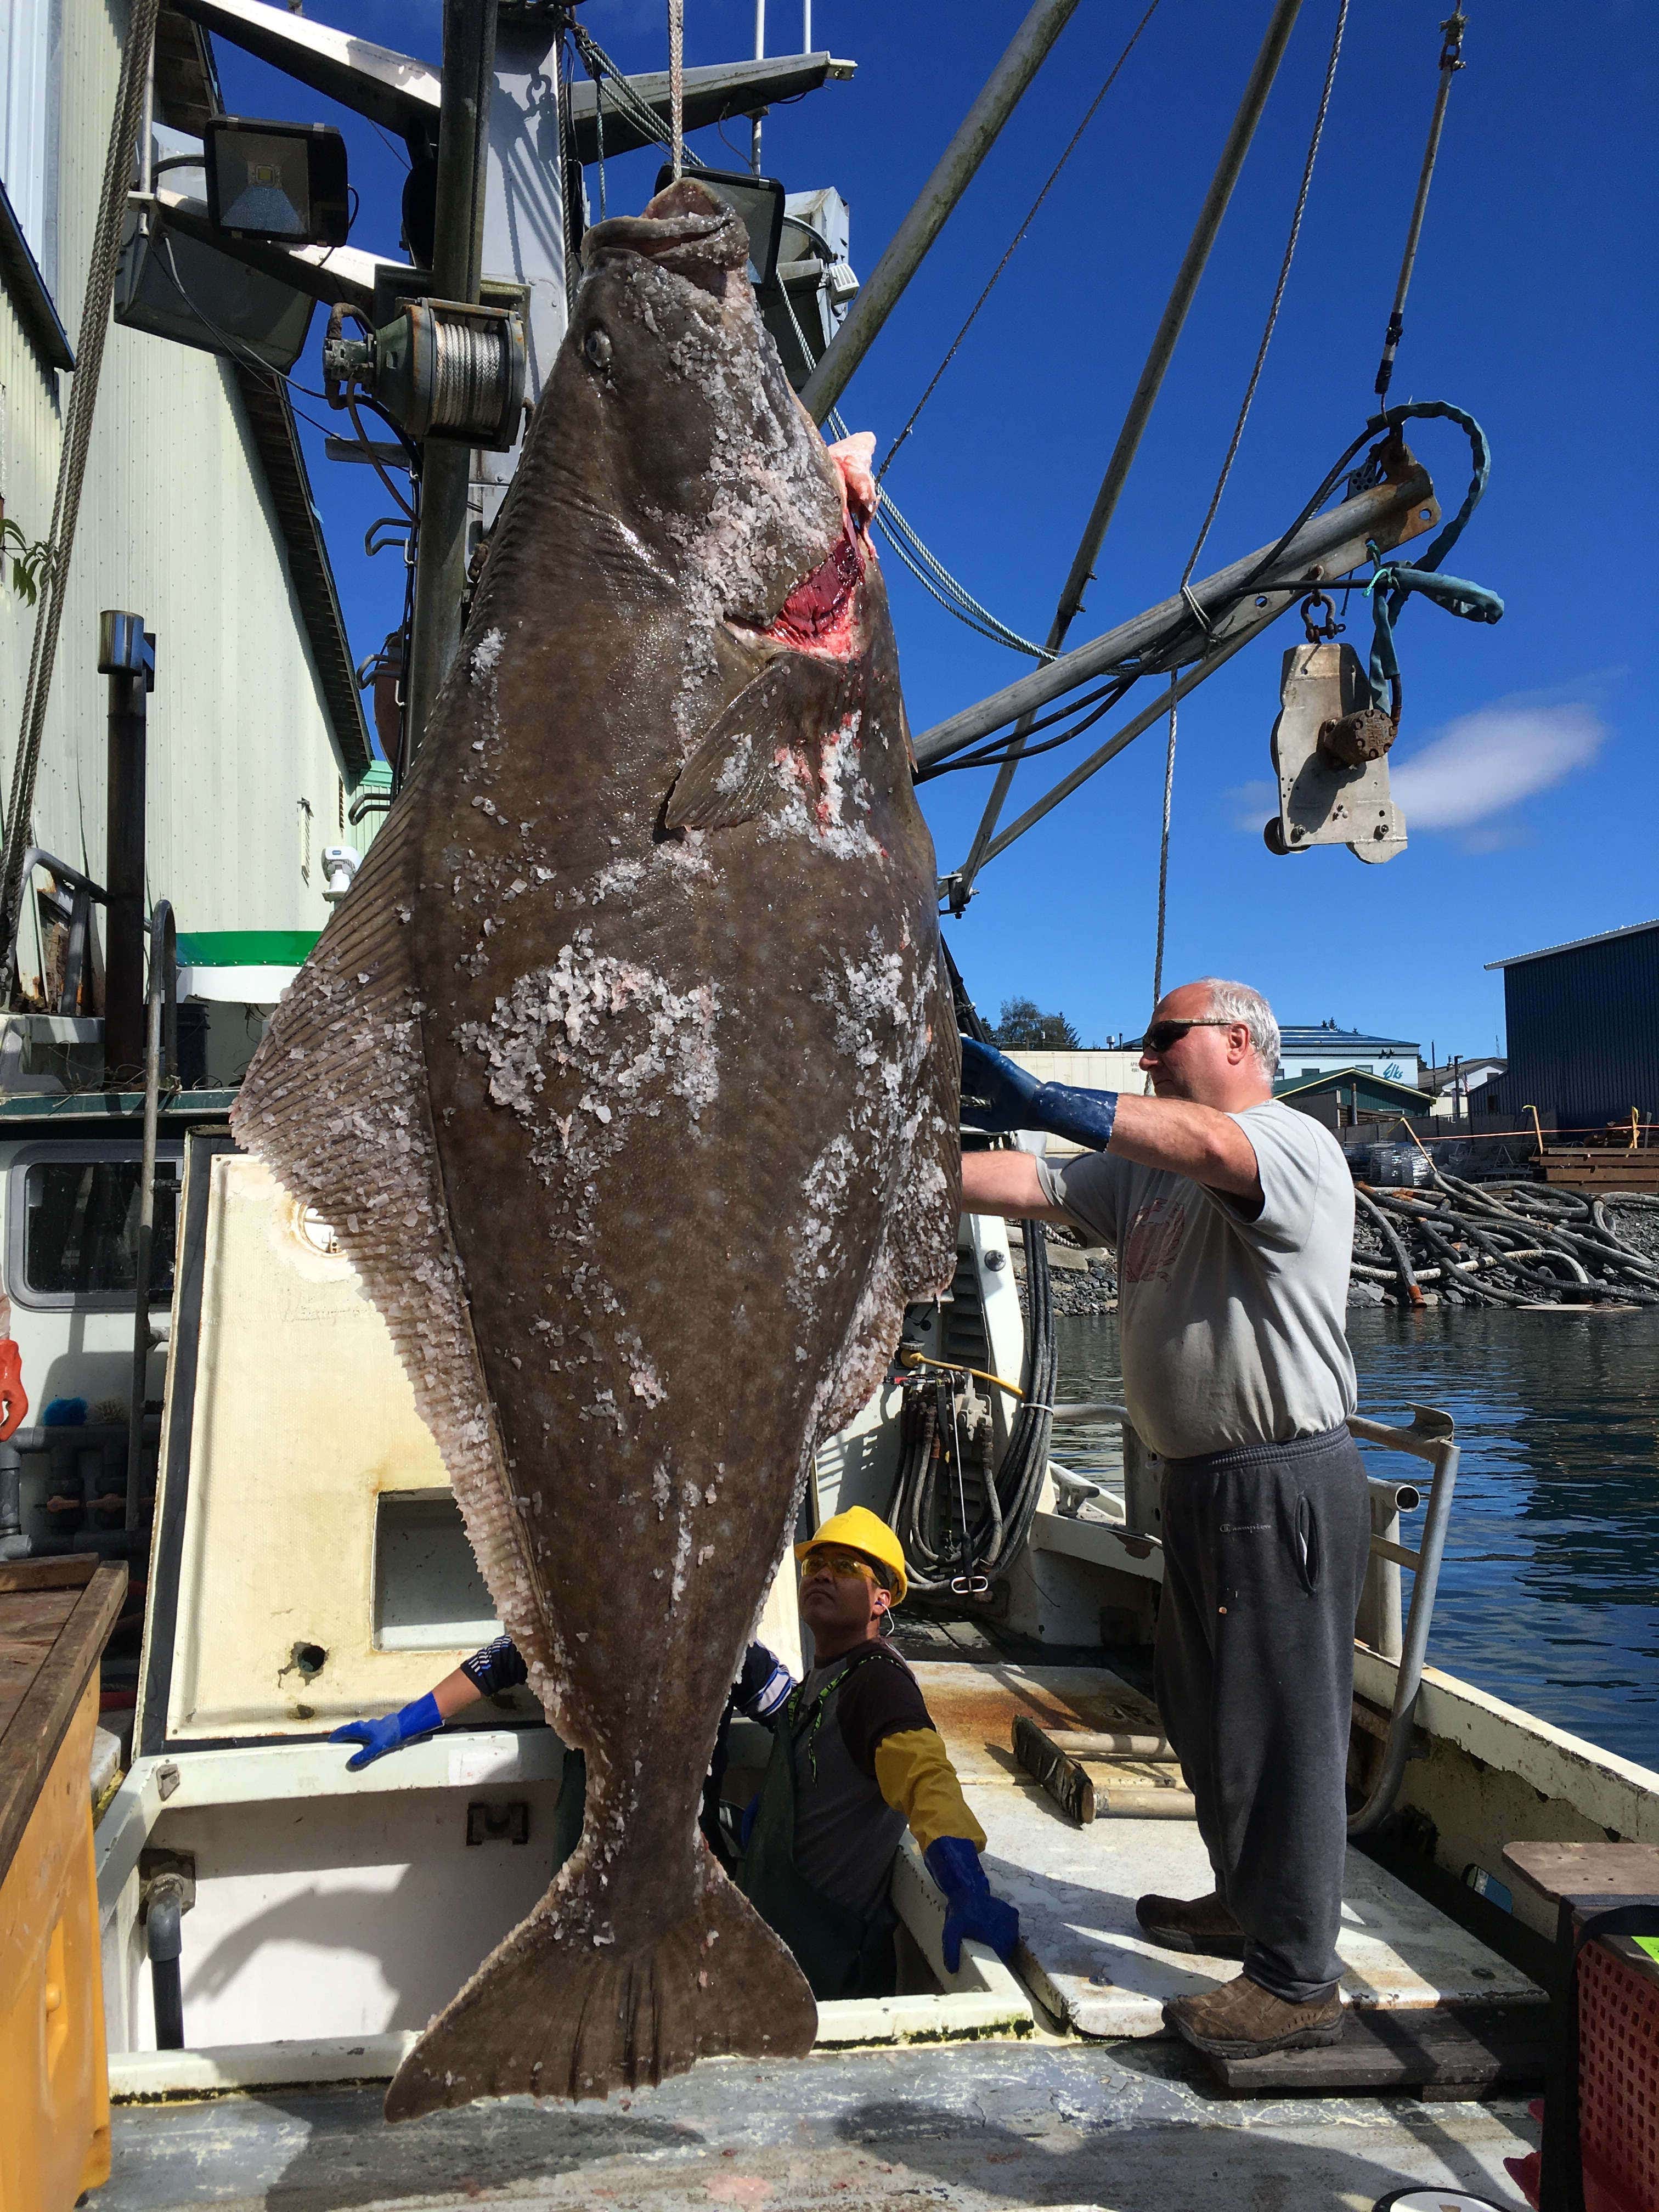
{"points": [[1583, 1029]]}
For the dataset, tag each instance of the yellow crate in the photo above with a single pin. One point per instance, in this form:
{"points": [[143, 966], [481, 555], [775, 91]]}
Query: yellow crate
{"points": [[54, 2073]]}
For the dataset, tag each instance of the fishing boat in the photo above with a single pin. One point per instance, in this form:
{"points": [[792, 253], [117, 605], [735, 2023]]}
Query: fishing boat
{"points": [[218, 1411]]}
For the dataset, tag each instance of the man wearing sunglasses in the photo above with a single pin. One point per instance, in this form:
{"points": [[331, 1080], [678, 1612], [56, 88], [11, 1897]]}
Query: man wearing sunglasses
{"points": [[855, 1760], [1232, 1217]]}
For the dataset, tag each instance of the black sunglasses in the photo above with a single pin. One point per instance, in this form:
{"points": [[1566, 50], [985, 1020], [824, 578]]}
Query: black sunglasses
{"points": [[1162, 1035]]}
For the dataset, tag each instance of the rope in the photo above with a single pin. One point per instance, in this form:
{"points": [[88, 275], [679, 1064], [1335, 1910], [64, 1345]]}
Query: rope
{"points": [[1451, 60], [677, 83], [77, 439], [1227, 467], [1018, 238]]}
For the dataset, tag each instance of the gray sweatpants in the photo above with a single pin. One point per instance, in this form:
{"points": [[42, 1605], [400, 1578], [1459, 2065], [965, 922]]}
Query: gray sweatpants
{"points": [[1264, 1557]]}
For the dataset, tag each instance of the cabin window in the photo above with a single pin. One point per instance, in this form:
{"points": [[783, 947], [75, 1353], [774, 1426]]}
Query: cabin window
{"points": [[73, 1228]]}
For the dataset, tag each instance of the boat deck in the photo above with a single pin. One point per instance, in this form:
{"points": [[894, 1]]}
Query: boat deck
{"points": [[957, 2128], [1087, 1959]]}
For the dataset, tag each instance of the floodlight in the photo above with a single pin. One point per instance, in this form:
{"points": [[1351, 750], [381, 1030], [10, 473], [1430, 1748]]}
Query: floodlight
{"points": [[758, 200], [285, 181]]}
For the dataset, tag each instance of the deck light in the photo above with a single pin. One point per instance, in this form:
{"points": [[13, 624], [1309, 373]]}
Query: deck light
{"points": [[285, 181], [758, 200]]}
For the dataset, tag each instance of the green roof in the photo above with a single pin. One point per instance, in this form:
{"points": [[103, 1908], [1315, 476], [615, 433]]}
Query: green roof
{"points": [[1360, 1080]]}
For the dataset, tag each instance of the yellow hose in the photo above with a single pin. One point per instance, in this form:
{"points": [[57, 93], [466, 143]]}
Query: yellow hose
{"points": [[907, 1358]]}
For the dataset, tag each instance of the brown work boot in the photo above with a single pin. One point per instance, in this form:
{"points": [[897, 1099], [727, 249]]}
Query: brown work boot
{"points": [[1240, 2019], [1191, 1924]]}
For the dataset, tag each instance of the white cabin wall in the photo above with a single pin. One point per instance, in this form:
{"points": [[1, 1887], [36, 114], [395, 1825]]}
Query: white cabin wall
{"points": [[176, 524]]}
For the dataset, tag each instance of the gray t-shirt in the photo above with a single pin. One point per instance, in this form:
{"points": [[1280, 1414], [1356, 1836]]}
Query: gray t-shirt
{"points": [[1232, 1330]]}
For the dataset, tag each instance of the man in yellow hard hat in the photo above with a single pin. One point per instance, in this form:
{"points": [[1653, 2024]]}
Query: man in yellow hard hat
{"points": [[855, 1760]]}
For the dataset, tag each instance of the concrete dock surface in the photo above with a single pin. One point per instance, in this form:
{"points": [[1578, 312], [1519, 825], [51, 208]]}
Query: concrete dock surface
{"points": [[984, 2127]]}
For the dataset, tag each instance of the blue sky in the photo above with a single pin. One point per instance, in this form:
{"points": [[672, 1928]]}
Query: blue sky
{"points": [[1524, 758]]}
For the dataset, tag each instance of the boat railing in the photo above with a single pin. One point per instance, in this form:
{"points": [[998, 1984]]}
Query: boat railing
{"points": [[1431, 1437]]}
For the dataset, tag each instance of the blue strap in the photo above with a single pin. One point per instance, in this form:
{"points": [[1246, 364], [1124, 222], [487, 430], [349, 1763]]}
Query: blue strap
{"points": [[1395, 581]]}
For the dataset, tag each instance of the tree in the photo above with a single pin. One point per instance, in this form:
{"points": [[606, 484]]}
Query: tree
{"points": [[1023, 1027]]}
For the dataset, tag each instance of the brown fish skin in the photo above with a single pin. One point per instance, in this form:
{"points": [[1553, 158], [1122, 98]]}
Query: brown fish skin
{"points": [[641, 1136]]}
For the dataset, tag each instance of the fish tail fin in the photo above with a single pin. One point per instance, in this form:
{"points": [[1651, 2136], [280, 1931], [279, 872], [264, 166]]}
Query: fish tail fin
{"points": [[560, 2010]]}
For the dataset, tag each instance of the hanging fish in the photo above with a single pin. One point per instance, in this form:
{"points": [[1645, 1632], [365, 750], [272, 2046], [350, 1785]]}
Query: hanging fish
{"points": [[627, 1079]]}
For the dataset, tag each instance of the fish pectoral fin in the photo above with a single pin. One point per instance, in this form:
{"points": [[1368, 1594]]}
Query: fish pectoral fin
{"points": [[733, 775]]}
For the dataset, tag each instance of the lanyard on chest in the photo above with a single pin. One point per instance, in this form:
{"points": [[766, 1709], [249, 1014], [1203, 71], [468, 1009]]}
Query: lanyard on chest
{"points": [[804, 1717]]}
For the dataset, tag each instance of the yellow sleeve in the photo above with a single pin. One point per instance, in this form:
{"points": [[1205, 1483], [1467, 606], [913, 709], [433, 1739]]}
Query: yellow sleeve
{"points": [[915, 1775]]}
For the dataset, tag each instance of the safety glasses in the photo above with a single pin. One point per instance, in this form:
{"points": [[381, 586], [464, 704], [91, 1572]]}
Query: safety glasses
{"points": [[1162, 1035], [845, 1566]]}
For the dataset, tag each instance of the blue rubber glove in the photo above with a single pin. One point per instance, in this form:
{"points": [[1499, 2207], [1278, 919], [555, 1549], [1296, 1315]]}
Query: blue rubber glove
{"points": [[970, 1909], [998, 1095], [390, 1732]]}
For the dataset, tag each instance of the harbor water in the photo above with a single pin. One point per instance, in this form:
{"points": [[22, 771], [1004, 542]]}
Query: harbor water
{"points": [[1549, 1592]]}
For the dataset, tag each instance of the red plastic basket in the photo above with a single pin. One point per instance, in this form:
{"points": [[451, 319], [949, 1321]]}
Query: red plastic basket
{"points": [[1617, 2083]]}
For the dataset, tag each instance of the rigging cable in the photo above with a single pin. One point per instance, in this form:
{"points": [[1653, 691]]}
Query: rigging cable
{"points": [[1451, 60], [1227, 465], [1019, 236]]}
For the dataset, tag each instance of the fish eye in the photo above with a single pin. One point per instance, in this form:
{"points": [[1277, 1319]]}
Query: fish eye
{"points": [[597, 346]]}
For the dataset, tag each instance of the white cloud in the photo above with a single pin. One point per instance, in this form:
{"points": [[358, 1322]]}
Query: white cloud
{"points": [[1251, 803], [1488, 761]]}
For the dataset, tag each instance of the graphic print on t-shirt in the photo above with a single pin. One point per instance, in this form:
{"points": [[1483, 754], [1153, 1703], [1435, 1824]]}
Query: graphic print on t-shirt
{"points": [[1154, 1239]]}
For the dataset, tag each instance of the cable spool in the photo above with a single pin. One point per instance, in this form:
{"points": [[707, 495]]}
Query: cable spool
{"points": [[448, 371]]}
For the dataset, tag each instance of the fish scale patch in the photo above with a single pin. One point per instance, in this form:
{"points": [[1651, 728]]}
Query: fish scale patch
{"points": [[613, 1027]]}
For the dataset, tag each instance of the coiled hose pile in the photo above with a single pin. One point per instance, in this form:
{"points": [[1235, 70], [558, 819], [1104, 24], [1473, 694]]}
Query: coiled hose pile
{"points": [[1510, 1244]]}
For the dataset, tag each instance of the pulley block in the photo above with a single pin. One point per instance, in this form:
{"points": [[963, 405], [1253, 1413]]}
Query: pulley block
{"points": [[1330, 752]]}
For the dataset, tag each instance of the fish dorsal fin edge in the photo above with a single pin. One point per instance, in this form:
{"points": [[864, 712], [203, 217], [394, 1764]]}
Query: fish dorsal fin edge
{"points": [[336, 1104]]}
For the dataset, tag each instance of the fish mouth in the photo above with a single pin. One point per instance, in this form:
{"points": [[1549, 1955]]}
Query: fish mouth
{"points": [[820, 615], [685, 226]]}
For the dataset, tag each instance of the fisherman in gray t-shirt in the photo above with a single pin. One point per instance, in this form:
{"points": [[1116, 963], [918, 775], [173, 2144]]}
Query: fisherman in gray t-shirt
{"points": [[1232, 1219]]}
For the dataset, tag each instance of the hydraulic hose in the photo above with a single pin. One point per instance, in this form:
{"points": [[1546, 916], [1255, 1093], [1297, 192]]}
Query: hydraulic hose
{"points": [[164, 1942]]}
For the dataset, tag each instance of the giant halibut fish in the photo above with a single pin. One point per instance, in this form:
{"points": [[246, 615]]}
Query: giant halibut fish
{"points": [[626, 1077]]}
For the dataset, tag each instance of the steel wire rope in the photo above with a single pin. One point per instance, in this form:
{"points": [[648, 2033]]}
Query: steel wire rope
{"points": [[71, 471], [1451, 60], [1226, 471], [1019, 236]]}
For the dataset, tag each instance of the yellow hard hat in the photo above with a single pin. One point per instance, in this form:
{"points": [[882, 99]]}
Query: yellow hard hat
{"points": [[860, 1530]]}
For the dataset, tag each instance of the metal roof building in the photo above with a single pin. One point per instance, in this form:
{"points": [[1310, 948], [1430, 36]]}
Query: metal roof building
{"points": [[1584, 1027], [1306, 1048]]}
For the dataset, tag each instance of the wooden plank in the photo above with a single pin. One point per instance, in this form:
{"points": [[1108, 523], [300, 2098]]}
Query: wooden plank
{"points": [[27, 1615], [74, 1572], [1109, 1743], [1145, 1804], [1586, 1870], [1472, 2048], [30, 1741]]}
